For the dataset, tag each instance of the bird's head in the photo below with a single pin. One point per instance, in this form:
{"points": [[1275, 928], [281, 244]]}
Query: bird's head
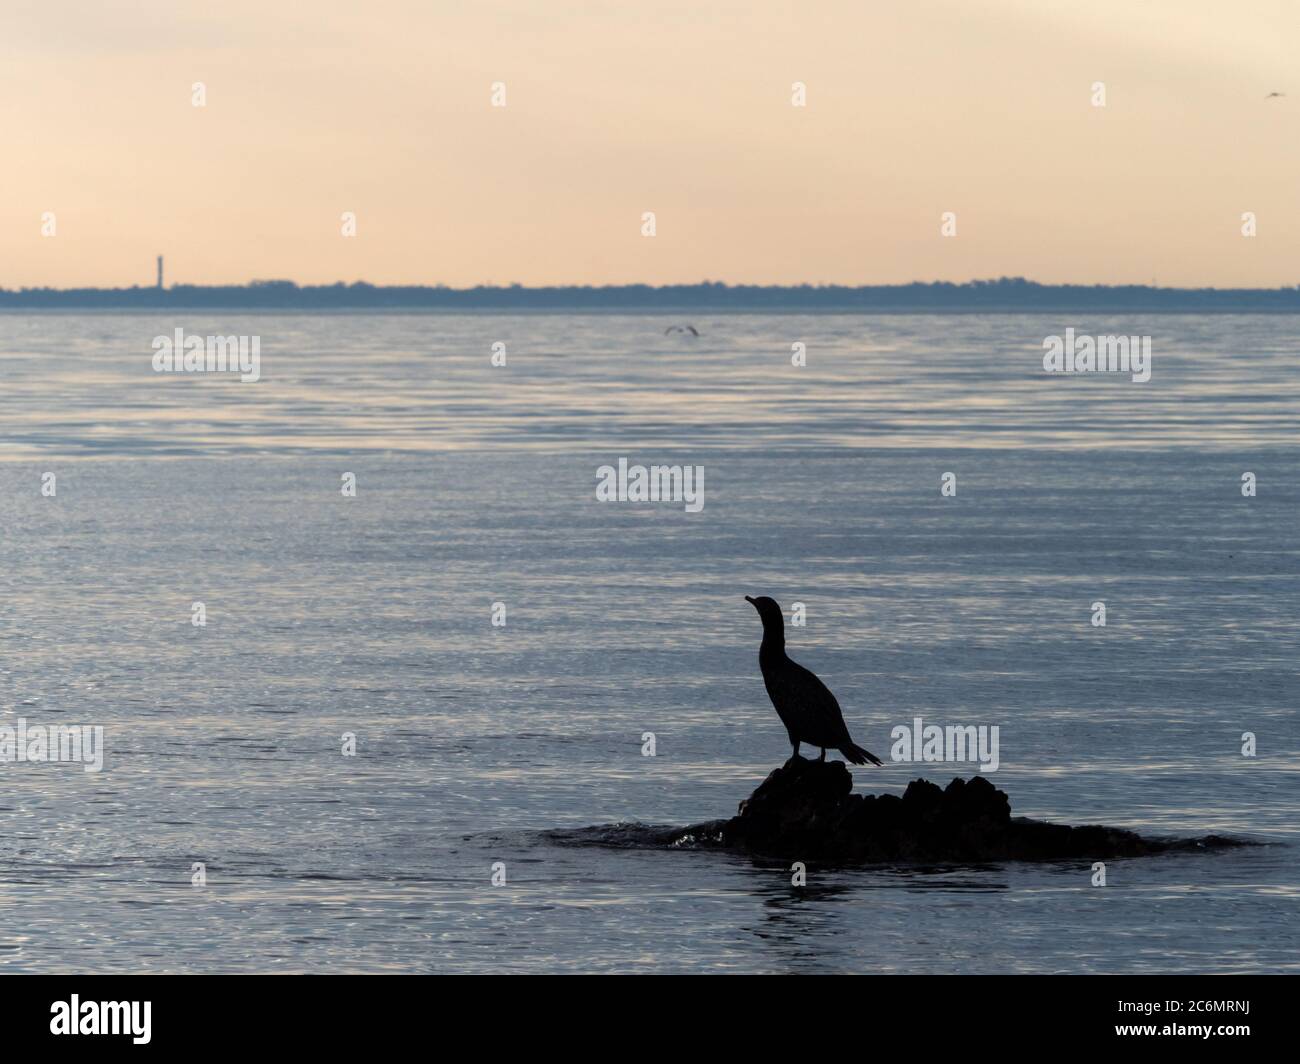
{"points": [[769, 612]]}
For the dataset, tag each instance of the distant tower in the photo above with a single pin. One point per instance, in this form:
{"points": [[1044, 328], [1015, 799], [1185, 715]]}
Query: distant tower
{"points": [[160, 275]]}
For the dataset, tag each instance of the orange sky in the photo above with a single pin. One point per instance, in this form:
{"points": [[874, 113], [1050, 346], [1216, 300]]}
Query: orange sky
{"points": [[915, 107]]}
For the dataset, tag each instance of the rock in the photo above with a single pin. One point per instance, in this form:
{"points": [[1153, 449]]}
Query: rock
{"points": [[807, 809]]}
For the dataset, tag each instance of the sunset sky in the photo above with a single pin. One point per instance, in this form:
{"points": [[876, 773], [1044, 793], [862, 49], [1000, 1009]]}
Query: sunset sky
{"points": [[681, 107]]}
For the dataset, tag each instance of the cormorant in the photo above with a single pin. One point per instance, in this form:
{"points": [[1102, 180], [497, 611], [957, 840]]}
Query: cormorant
{"points": [[805, 704]]}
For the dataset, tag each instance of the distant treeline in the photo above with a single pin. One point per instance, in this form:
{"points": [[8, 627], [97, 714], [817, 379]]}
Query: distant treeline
{"points": [[1007, 294]]}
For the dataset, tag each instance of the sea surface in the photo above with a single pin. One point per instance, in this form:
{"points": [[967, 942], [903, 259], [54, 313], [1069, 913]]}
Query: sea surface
{"points": [[372, 616]]}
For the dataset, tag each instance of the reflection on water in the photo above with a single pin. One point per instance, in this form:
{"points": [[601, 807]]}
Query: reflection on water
{"points": [[360, 383], [371, 616]]}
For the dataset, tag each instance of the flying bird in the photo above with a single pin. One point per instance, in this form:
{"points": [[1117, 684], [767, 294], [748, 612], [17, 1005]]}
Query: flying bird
{"points": [[682, 329], [1272, 94], [805, 704]]}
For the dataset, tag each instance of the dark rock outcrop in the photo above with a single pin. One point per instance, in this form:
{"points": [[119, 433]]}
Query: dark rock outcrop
{"points": [[807, 809]]}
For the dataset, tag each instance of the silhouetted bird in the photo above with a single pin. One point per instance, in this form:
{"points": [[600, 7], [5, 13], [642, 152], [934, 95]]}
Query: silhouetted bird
{"points": [[682, 329], [805, 704], [1272, 94]]}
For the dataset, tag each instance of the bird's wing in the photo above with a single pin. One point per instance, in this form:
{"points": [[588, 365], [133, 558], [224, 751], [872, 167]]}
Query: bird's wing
{"points": [[816, 700]]}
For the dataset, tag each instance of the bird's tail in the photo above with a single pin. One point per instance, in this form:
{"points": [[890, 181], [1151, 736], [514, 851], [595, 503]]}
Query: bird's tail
{"points": [[858, 755]]}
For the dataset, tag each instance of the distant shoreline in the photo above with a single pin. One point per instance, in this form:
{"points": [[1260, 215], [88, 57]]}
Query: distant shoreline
{"points": [[1003, 296]]}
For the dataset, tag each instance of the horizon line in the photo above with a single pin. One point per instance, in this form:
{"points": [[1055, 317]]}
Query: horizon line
{"points": [[995, 295], [288, 284]]}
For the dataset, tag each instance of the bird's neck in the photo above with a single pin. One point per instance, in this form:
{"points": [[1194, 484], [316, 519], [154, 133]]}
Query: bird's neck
{"points": [[773, 644]]}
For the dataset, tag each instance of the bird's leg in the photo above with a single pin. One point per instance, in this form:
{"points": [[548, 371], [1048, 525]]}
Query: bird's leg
{"points": [[823, 757]]}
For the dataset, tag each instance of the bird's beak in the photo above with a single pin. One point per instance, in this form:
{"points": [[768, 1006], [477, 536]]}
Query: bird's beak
{"points": [[750, 600]]}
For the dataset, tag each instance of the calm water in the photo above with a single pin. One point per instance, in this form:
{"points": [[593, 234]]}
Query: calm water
{"points": [[475, 484]]}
